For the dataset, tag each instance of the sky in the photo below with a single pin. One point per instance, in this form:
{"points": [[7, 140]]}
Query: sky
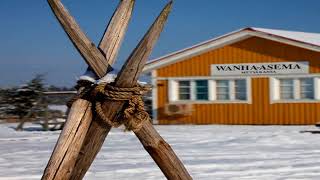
{"points": [[33, 42]]}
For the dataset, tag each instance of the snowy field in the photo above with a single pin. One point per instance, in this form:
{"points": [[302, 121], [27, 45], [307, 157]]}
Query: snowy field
{"points": [[209, 152]]}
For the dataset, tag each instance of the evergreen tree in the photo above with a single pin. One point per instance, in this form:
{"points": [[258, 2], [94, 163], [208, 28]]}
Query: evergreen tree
{"points": [[23, 100]]}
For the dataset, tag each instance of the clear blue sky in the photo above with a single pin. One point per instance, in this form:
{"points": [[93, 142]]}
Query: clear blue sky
{"points": [[33, 42]]}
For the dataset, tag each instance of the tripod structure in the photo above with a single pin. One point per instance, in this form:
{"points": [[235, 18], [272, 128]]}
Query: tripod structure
{"points": [[100, 106]]}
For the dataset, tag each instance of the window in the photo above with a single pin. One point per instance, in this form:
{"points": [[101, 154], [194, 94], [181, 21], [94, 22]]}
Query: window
{"points": [[307, 88], [184, 90], [241, 89], [286, 89], [231, 90], [208, 90], [297, 89], [223, 90], [201, 89], [193, 90]]}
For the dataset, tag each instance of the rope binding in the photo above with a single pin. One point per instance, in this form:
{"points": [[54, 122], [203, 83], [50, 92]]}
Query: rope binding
{"points": [[133, 115]]}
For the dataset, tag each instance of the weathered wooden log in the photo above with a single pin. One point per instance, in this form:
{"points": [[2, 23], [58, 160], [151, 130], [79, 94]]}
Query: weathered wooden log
{"points": [[116, 29], [155, 145], [80, 116], [161, 153], [84, 45]]}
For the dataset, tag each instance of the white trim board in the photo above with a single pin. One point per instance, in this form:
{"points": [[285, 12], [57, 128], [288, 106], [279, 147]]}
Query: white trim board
{"points": [[154, 97], [220, 42]]}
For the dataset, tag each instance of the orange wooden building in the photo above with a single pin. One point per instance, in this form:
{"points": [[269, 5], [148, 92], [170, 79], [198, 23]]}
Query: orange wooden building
{"points": [[250, 76]]}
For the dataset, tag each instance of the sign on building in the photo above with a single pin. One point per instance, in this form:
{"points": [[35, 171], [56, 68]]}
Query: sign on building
{"points": [[252, 69]]}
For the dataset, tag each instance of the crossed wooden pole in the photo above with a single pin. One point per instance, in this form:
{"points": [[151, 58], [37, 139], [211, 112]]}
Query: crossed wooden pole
{"points": [[84, 132]]}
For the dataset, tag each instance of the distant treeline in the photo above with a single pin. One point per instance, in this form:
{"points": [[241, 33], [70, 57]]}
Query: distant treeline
{"points": [[37, 84], [33, 97], [30, 99]]}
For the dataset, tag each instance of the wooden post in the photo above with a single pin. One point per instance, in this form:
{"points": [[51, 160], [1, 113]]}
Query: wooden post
{"points": [[86, 48], [160, 151], [70, 141]]}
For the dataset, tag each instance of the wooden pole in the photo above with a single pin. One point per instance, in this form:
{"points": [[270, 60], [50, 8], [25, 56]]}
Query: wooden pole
{"points": [[157, 151], [69, 143], [156, 146], [162, 153], [84, 45]]}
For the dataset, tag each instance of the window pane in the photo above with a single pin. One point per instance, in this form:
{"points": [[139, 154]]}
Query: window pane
{"points": [[306, 88], [223, 96], [202, 83], [241, 96], [184, 90], [184, 96], [286, 96], [202, 89], [307, 95], [241, 89], [202, 96], [222, 83], [306, 81], [223, 90], [184, 83], [240, 83], [286, 82], [286, 89]]}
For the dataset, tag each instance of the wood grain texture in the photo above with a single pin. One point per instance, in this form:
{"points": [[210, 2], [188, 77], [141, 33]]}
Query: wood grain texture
{"points": [[79, 119], [70, 140], [117, 27], [162, 153], [84, 45], [152, 141]]}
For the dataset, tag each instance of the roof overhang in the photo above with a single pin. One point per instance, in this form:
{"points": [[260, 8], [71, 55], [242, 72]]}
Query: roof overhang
{"points": [[221, 41]]}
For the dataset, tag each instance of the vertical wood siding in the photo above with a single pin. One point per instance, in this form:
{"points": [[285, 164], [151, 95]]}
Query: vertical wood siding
{"points": [[252, 50]]}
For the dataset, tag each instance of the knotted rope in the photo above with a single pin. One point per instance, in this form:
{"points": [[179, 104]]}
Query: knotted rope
{"points": [[134, 113]]}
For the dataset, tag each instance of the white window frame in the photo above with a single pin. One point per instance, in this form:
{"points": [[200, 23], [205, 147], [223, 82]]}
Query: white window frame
{"points": [[230, 94], [232, 89], [247, 90], [173, 90], [294, 84], [194, 90], [191, 84], [174, 94], [275, 89]]}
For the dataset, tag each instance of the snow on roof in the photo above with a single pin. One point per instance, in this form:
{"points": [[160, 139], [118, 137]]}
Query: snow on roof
{"points": [[310, 38]]}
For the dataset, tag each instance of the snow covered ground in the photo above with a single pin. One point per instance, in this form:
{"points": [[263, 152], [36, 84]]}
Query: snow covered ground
{"points": [[62, 108], [209, 152]]}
